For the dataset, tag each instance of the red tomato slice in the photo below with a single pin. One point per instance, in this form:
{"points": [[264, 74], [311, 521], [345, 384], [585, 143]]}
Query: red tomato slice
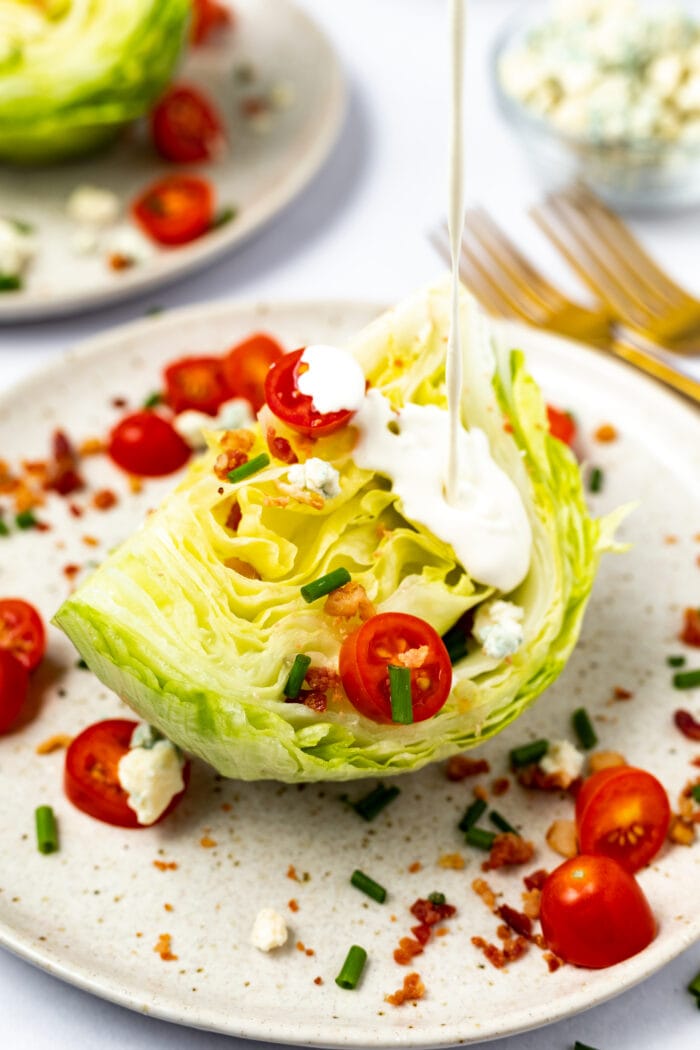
{"points": [[623, 813], [176, 209], [14, 686], [185, 127], [208, 16], [196, 382], [561, 425], [22, 631], [246, 366], [594, 914], [91, 773], [146, 444], [389, 638], [294, 408]]}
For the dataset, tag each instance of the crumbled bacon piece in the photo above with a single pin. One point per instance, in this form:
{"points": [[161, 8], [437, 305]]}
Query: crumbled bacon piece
{"points": [[459, 767], [688, 726], [53, 743], [531, 903], [294, 492], [63, 476], [279, 447], [533, 777], [508, 850], [104, 499], [500, 786], [233, 518], [314, 700], [207, 842], [605, 433], [91, 447], [690, 634], [416, 866], [243, 568], [480, 792], [681, 831], [536, 879], [429, 913], [292, 873], [407, 949], [318, 980], [413, 989], [553, 961], [483, 890], [293, 905], [71, 570], [512, 949], [348, 601], [165, 865], [228, 460], [320, 685], [622, 694], [119, 261], [517, 921], [452, 861], [421, 932], [162, 947]]}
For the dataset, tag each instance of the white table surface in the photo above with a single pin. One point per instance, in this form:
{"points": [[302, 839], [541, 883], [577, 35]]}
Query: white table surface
{"points": [[359, 232]]}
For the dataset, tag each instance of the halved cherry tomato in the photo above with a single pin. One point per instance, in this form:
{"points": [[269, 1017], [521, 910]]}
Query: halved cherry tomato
{"points": [[14, 686], [594, 914], [196, 382], [395, 638], [208, 16], [623, 813], [146, 444], [246, 366], [22, 631], [185, 127], [91, 773], [176, 209], [562, 425], [294, 408]]}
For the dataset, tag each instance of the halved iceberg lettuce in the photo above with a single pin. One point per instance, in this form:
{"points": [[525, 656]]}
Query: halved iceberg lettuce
{"points": [[176, 622]]}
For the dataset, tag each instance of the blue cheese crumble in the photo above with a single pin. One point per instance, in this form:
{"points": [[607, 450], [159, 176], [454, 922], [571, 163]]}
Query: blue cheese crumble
{"points": [[498, 627]]}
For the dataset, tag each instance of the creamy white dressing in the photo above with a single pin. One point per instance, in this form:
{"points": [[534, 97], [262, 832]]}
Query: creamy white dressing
{"points": [[455, 221], [333, 379]]}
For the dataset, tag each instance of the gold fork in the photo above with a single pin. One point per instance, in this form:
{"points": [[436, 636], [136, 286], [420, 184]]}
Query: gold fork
{"points": [[508, 285], [611, 261]]}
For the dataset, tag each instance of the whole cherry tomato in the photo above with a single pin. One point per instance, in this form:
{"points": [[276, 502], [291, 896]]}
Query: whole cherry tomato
{"points": [[562, 425], [22, 631], [176, 209], [185, 127], [14, 686], [246, 367], [209, 16], [295, 409], [147, 445], [196, 382]]}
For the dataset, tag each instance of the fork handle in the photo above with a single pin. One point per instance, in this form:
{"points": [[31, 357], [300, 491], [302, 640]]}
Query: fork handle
{"points": [[654, 366]]}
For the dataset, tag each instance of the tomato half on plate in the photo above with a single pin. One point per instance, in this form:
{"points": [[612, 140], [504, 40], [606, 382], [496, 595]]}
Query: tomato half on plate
{"points": [[185, 127], [196, 382], [14, 686], [22, 631], [562, 425], [594, 914], [623, 813], [295, 409], [208, 17], [246, 366], [145, 444], [91, 773], [176, 209], [403, 640]]}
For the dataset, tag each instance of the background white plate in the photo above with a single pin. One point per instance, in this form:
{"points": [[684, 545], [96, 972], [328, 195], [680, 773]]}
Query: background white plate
{"points": [[259, 174], [92, 913]]}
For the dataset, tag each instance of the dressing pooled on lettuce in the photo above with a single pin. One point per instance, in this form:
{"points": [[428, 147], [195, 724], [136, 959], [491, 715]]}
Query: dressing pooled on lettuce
{"points": [[308, 606]]}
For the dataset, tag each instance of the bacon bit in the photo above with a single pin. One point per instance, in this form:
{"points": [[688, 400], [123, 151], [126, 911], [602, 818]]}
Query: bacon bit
{"points": [[534, 778], [690, 634], [416, 866], [351, 600], [162, 948], [553, 961], [688, 726], [227, 461], [407, 949], [500, 786], [318, 980], [91, 447], [294, 492], [54, 743], [508, 850], [681, 831], [104, 499], [293, 905], [241, 440], [412, 990], [168, 907], [421, 932], [605, 760], [483, 890], [301, 947], [561, 837], [622, 694], [481, 792], [165, 865], [117, 261], [233, 519], [226, 807], [70, 571], [119, 402], [309, 951], [452, 861], [91, 541], [695, 761], [242, 568], [430, 914], [323, 683], [292, 873], [531, 903], [516, 920], [459, 767], [536, 879], [206, 842], [279, 447], [63, 476], [512, 949], [605, 433], [670, 540], [75, 511], [254, 106], [135, 484]]}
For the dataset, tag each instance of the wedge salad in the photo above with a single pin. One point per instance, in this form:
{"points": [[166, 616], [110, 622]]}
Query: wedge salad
{"points": [[306, 606]]}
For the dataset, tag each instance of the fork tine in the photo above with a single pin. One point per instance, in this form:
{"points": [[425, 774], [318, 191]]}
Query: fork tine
{"points": [[472, 276], [518, 296]]}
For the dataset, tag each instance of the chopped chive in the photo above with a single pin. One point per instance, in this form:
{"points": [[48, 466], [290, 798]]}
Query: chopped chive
{"points": [[695, 795], [596, 479], [252, 466], [455, 641], [480, 838], [370, 806], [583, 1046], [473, 814], [501, 823], [400, 691], [675, 661], [437, 898], [81, 665], [694, 986], [10, 282], [526, 754], [311, 592], [46, 831], [154, 310], [4, 531], [153, 399], [352, 968], [296, 676], [21, 226], [584, 728], [686, 679], [25, 519], [222, 217], [367, 885]]}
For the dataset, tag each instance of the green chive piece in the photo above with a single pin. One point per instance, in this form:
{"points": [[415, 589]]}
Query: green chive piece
{"points": [[694, 986], [370, 806], [153, 399], [10, 282], [595, 480], [695, 794], [686, 679], [400, 690], [367, 885], [46, 830], [4, 531], [437, 898], [222, 217], [81, 665], [473, 814], [252, 466], [21, 226], [296, 676], [501, 823], [480, 838], [584, 728], [311, 592], [675, 661], [455, 641], [352, 968], [154, 310], [583, 1046], [526, 754], [25, 519]]}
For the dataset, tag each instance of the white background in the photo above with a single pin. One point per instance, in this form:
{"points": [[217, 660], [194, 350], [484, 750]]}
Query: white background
{"points": [[359, 232]]}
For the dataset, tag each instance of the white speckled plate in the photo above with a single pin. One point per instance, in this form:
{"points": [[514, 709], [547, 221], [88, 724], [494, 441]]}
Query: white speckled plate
{"points": [[92, 913], [258, 175]]}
